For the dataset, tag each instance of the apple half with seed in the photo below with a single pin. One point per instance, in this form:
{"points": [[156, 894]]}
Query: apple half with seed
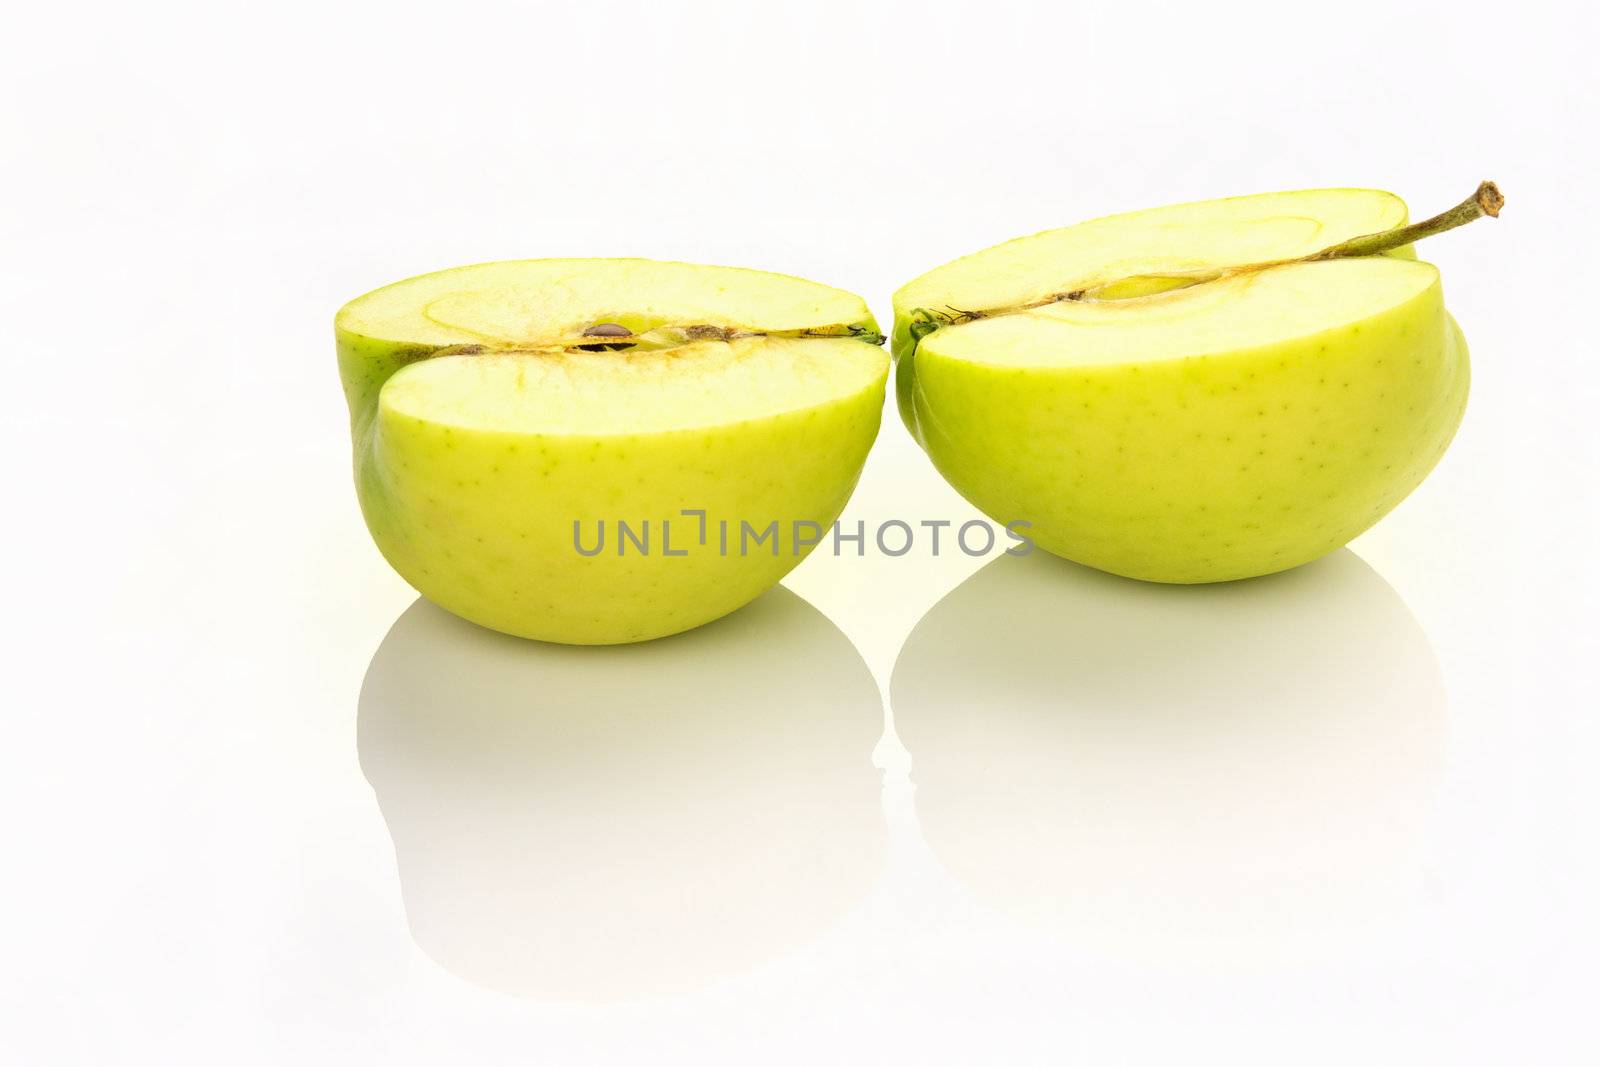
{"points": [[509, 419], [1196, 393]]}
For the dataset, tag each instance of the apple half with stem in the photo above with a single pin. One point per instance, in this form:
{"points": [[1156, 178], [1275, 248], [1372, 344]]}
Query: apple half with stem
{"points": [[1197, 393], [555, 448]]}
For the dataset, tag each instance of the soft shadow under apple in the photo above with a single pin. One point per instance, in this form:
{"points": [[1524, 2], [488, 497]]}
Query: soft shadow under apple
{"points": [[1236, 772], [603, 823]]}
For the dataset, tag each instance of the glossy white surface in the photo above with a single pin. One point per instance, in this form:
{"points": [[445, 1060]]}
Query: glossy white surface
{"points": [[263, 807]]}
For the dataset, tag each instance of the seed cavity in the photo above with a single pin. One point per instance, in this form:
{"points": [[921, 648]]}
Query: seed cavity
{"points": [[614, 337]]}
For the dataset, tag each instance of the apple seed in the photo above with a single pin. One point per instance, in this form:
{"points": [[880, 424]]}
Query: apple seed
{"points": [[607, 329]]}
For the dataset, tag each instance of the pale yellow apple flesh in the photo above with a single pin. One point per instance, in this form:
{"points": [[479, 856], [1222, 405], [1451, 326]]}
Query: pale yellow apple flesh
{"points": [[495, 433], [1183, 432]]}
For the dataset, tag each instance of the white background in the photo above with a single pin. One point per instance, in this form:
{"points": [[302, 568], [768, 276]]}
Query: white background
{"points": [[1346, 817]]}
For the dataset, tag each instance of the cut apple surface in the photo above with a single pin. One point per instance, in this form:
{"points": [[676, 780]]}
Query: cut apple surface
{"points": [[527, 303], [1211, 233], [1224, 316], [506, 414], [1178, 394], [697, 385]]}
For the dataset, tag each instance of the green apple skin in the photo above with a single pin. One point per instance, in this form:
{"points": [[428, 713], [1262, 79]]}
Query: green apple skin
{"points": [[481, 523], [1201, 469]]}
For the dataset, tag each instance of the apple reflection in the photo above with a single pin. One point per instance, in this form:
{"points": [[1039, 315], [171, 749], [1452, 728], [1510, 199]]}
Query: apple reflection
{"points": [[1234, 772], [604, 823]]}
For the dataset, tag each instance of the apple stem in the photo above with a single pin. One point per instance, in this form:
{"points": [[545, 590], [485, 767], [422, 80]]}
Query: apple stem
{"points": [[1485, 201]]}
